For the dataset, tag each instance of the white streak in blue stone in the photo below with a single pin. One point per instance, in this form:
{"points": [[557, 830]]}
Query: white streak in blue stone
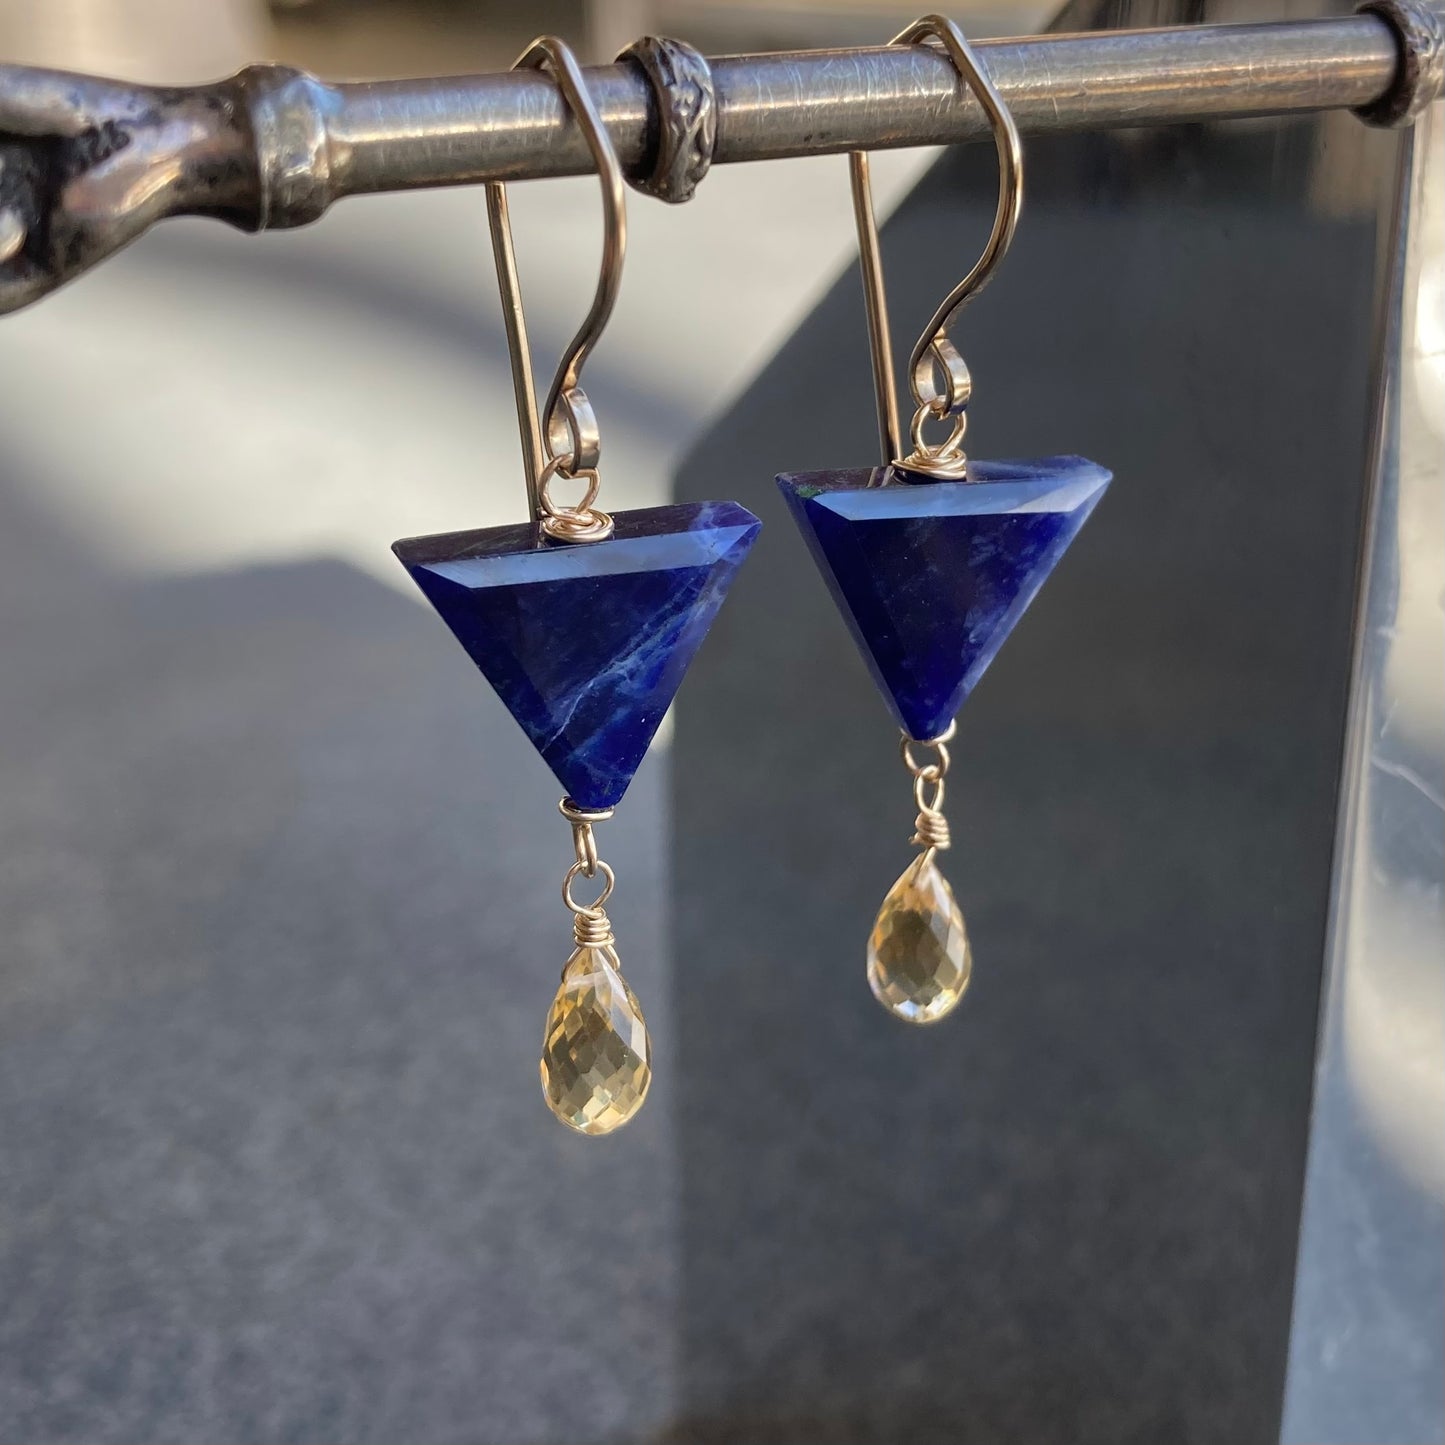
{"points": [[587, 644], [629, 678]]}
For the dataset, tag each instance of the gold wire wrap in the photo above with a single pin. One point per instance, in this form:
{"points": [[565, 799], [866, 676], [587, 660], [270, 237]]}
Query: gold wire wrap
{"points": [[930, 830], [592, 930], [589, 920], [584, 844], [581, 522], [930, 827]]}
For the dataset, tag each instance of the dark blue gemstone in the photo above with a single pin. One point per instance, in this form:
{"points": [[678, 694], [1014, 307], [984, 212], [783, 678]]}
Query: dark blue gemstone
{"points": [[587, 644], [932, 576]]}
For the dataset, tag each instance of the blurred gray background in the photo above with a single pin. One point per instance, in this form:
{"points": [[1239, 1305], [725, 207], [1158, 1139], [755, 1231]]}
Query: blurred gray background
{"points": [[279, 873]]}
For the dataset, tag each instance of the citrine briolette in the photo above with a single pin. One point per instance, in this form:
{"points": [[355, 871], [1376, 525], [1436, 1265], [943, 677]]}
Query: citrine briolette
{"points": [[919, 959], [596, 1053]]}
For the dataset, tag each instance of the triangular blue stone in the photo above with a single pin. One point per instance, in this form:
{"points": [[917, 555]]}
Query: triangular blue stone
{"points": [[587, 644], [932, 576]]}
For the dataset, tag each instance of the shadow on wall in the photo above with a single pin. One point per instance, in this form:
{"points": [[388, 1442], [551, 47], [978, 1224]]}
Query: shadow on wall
{"points": [[279, 881]]}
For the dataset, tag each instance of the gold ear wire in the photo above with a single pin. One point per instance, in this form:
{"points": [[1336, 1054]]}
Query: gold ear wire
{"points": [[938, 377], [565, 441]]}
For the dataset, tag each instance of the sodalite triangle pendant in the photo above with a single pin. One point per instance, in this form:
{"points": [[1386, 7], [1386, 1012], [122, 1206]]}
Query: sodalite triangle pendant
{"points": [[932, 576], [587, 644]]}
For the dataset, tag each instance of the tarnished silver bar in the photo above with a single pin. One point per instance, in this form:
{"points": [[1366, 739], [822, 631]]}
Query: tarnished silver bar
{"points": [[87, 164], [396, 135]]}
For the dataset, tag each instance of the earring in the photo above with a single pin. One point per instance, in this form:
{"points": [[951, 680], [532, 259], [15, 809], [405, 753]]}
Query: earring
{"points": [[584, 624], [932, 559]]}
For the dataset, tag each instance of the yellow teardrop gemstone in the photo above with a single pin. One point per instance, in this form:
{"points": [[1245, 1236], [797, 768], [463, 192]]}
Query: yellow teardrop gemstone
{"points": [[919, 960], [596, 1055]]}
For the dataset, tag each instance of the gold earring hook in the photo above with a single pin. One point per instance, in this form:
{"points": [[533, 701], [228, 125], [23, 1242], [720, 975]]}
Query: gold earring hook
{"points": [[938, 378], [565, 442]]}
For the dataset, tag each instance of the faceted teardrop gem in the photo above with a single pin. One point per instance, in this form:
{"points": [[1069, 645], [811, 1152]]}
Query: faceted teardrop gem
{"points": [[931, 577], [596, 1055], [587, 644], [919, 960]]}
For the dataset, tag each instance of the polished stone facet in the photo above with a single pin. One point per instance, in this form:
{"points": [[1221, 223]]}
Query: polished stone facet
{"points": [[932, 576], [919, 959], [596, 1055], [587, 644]]}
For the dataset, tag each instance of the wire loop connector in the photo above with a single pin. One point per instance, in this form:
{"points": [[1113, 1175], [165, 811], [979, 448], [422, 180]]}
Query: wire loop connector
{"points": [[930, 827]]}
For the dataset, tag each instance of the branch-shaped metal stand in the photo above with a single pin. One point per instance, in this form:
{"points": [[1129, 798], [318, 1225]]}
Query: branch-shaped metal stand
{"points": [[87, 164]]}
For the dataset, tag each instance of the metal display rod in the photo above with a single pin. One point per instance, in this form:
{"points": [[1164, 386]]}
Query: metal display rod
{"points": [[87, 164]]}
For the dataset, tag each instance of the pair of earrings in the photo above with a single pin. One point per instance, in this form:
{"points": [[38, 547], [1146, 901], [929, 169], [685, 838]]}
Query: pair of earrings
{"points": [[585, 623]]}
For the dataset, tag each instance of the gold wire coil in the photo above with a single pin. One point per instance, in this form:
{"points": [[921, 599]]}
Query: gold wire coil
{"points": [[570, 525], [939, 459], [930, 830], [592, 930], [580, 522]]}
